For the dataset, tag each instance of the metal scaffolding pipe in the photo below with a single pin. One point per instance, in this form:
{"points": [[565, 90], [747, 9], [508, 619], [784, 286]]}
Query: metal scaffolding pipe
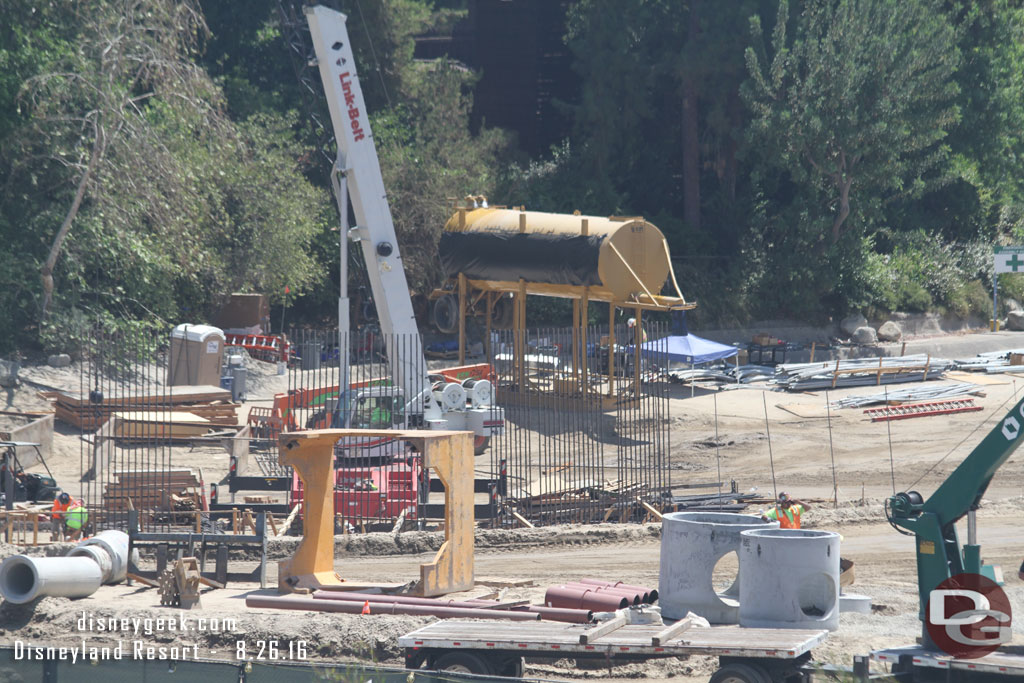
{"points": [[347, 607], [95, 561]]}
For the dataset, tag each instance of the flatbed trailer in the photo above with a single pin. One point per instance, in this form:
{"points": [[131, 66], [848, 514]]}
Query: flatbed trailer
{"points": [[746, 655], [915, 663]]}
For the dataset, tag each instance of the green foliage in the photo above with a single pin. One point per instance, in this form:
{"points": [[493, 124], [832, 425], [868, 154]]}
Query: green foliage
{"points": [[861, 94], [160, 153], [918, 272]]}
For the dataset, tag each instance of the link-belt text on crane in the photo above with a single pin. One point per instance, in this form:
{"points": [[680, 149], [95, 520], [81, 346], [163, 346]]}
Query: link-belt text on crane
{"points": [[353, 110]]}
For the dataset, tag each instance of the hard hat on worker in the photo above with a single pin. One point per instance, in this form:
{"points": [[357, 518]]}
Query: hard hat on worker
{"points": [[64, 498]]}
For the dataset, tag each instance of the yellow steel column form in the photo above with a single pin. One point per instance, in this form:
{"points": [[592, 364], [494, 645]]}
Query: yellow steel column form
{"points": [[311, 453], [451, 458]]}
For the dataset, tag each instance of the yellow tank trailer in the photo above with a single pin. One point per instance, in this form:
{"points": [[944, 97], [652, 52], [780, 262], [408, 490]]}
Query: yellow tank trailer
{"points": [[617, 259]]}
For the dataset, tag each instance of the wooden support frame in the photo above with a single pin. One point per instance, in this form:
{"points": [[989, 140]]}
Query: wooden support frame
{"points": [[449, 454]]}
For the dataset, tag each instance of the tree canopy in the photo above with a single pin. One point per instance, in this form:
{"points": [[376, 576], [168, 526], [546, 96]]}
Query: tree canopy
{"points": [[803, 157]]}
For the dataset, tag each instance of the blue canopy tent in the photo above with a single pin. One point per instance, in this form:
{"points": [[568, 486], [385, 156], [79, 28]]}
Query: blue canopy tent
{"points": [[683, 347]]}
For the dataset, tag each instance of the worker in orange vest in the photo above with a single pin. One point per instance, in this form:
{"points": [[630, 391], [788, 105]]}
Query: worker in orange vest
{"points": [[61, 504], [787, 511]]}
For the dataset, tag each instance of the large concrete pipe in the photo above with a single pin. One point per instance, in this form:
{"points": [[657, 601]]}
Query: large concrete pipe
{"points": [[109, 549], [692, 543], [789, 578], [24, 578], [95, 561]]}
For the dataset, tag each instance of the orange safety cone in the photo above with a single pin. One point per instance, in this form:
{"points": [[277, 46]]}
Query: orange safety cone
{"points": [[366, 607]]}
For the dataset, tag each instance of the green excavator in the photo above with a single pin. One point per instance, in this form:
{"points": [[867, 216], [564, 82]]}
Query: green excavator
{"points": [[945, 568]]}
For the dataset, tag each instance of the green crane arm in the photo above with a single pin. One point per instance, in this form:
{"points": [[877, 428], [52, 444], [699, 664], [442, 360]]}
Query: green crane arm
{"points": [[933, 522]]}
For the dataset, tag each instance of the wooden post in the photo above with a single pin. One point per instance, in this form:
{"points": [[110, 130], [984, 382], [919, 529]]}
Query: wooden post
{"points": [[199, 525], [462, 319], [611, 348], [812, 351]]}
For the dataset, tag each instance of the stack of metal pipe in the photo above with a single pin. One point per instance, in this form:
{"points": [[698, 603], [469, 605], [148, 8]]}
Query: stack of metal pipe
{"points": [[859, 372], [924, 393], [992, 362]]}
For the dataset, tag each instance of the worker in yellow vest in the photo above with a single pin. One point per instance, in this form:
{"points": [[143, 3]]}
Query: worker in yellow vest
{"points": [[787, 511], [75, 520]]}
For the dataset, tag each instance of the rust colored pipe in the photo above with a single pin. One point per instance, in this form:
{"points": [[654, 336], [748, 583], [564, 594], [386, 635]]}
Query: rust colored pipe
{"points": [[347, 596], [579, 598], [571, 616], [648, 595], [567, 615], [634, 597], [352, 607]]}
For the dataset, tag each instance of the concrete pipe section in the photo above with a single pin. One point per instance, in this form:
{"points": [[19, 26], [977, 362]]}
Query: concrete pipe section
{"points": [[93, 562], [692, 543], [789, 579]]}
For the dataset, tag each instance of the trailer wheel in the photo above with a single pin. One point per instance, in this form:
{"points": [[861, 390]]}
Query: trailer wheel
{"points": [[463, 662], [480, 444], [740, 673], [510, 668]]}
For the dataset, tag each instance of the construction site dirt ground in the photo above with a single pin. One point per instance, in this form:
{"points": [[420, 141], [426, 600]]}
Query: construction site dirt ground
{"points": [[807, 455]]}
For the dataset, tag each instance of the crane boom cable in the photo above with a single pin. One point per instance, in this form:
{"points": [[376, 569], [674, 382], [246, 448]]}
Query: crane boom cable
{"points": [[832, 452], [771, 458], [892, 462], [376, 62]]}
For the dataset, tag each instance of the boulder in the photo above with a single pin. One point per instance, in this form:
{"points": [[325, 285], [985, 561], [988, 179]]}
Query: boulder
{"points": [[890, 331], [865, 335], [1013, 305], [1015, 321], [850, 324], [59, 360]]}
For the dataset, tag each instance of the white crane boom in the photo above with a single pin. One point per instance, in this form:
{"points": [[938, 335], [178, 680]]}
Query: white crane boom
{"points": [[357, 175]]}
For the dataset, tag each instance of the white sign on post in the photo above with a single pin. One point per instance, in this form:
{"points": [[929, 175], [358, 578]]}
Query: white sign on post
{"points": [[1009, 259]]}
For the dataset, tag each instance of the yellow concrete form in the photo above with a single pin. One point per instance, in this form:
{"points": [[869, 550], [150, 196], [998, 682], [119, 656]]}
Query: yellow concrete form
{"points": [[311, 453]]}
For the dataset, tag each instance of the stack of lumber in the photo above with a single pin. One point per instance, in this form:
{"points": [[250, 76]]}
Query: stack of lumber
{"points": [[143, 425], [149, 489], [208, 403]]}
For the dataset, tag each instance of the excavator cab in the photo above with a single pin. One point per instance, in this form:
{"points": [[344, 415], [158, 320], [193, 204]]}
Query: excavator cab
{"points": [[378, 411]]}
